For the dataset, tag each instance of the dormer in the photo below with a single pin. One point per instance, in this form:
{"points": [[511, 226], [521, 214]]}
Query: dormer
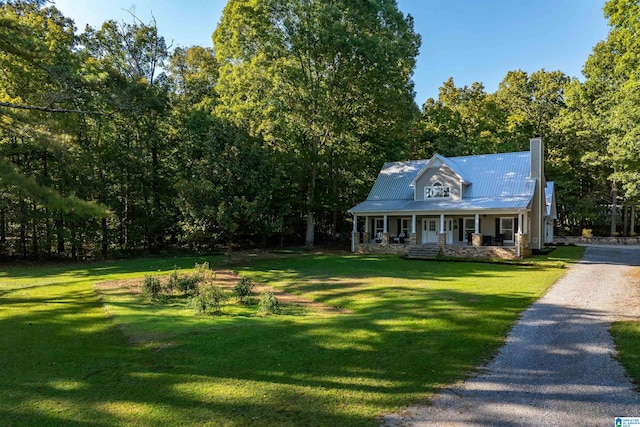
{"points": [[439, 179]]}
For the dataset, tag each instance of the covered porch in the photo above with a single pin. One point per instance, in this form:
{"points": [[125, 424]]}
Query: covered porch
{"points": [[500, 234]]}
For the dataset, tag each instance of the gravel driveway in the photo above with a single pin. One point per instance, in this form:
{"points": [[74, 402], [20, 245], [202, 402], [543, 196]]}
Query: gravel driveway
{"points": [[557, 367]]}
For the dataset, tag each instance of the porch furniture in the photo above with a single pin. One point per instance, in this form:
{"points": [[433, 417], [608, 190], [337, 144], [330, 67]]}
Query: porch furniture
{"points": [[379, 237], [469, 238], [487, 241], [399, 238], [499, 239]]}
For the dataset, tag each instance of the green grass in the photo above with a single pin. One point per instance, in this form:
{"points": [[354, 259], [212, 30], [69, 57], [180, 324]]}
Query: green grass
{"points": [[626, 335], [71, 356]]}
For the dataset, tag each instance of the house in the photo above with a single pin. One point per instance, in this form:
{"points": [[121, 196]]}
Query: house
{"points": [[493, 205]]}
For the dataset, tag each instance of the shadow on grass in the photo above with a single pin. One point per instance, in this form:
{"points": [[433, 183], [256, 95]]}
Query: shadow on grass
{"points": [[65, 363]]}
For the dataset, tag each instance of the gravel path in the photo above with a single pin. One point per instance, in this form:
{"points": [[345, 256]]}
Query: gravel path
{"points": [[557, 367]]}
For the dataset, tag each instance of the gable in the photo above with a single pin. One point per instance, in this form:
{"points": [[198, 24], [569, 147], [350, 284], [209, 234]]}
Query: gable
{"points": [[438, 172]]}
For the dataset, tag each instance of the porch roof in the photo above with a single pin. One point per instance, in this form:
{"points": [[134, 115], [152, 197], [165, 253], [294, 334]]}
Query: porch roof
{"points": [[443, 205]]}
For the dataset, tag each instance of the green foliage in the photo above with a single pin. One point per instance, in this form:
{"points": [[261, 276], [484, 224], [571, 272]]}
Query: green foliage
{"points": [[209, 299], [244, 289], [587, 232], [184, 283], [268, 303], [151, 287], [341, 103]]}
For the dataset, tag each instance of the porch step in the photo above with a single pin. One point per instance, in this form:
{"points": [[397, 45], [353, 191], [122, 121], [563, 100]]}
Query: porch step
{"points": [[423, 252]]}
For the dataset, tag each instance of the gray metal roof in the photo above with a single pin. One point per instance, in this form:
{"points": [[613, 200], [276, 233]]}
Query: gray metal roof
{"points": [[549, 191], [497, 181]]}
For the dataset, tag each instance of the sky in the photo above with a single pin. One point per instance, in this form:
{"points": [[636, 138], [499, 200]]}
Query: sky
{"points": [[469, 40]]}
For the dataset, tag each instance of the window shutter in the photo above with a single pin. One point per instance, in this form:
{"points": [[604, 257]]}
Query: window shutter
{"points": [[399, 229], [497, 226], [460, 230], [515, 226]]}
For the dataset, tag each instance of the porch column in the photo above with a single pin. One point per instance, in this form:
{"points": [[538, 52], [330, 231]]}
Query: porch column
{"points": [[413, 237], [355, 233], [384, 225], [519, 234], [366, 224], [441, 223], [520, 221], [477, 224]]}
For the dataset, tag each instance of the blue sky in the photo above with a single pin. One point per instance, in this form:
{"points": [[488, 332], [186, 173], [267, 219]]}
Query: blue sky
{"points": [[469, 40]]}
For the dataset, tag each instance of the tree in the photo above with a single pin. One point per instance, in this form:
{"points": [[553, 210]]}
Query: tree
{"points": [[318, 79], [463, 121], [40, 89]]}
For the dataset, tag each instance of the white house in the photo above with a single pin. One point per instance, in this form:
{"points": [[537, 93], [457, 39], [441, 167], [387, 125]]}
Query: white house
{"points": [[493, 205]]}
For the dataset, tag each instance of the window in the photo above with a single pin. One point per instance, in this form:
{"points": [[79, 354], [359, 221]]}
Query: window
{"points": [[379, 226], [507, 228], [436, 190], [405, 226], [469, 227]]}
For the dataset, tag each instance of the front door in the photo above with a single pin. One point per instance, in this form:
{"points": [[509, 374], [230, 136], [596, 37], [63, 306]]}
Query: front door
{"points": [[430, 231]]}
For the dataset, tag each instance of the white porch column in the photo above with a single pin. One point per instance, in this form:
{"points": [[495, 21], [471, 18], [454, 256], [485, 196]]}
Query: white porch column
{"points": [[355, 232], [477, 224], [384, 226], [520, 221], [413, 224], [366, 224], [441, 223], [519, 235]]}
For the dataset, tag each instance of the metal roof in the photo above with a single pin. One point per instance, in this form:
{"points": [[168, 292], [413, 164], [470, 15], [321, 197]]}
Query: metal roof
{"points": [[549, 192], [496, 181]]}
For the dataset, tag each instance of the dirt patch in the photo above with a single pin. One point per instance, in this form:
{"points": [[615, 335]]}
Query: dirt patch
{"points": [[633, 305], [226, 279]]}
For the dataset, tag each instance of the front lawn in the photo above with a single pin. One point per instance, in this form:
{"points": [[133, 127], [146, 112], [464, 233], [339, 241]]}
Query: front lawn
{"points": [[73, 355], [626, 335]]}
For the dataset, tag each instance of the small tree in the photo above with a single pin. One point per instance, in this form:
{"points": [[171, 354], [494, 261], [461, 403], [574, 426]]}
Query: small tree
{"points": [[268, 304], [209, 299], [151, 288], [244, 289]]}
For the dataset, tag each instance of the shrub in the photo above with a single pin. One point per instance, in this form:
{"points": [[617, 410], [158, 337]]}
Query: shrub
{"points": [[587, 232], [268, 304], [209, 299], [183, 283], [151, 288], [204, 274], [244, 289]]}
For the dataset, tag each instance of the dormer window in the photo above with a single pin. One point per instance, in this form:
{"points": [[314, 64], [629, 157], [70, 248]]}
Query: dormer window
{"points": [[436, 190]]}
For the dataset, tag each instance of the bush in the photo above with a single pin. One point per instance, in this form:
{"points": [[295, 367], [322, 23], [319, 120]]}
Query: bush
{"points": [[268, 304], [587, 232], [151, 288], [183, 283], [244, 289], [210, 299], [204, 274]]}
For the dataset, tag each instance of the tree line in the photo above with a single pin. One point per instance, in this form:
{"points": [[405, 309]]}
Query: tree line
{"points": [[112, 142]]}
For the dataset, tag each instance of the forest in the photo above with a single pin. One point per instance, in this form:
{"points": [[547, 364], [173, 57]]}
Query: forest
{"points": [[113, 143]]}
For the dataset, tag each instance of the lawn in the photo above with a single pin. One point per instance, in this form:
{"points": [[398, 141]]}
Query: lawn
{"points": [[626, 335], [74, 355]]}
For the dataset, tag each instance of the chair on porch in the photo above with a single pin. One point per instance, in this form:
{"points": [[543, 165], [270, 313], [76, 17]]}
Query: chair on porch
{"points": [[499, 239], [378, 237], [400, 238], [469, 238]]}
